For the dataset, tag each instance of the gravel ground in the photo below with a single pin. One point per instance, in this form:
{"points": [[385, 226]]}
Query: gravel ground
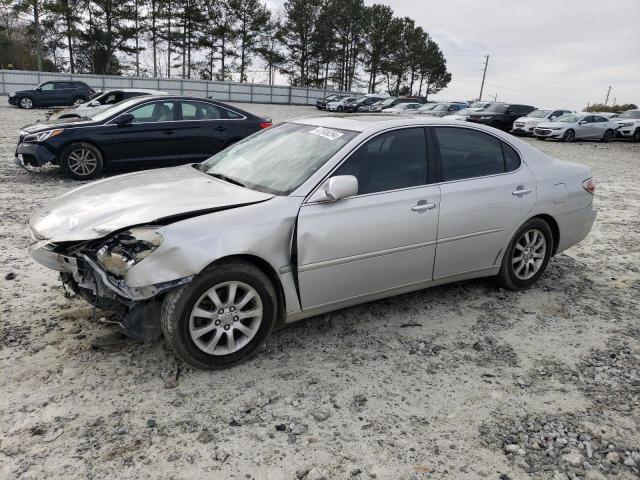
{"points": [[460, 381]]}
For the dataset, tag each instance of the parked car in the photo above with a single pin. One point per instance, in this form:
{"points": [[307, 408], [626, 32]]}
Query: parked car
{"points": [[99, 102], [578, 126], [403, 109], [425, 107], [363, 103], [147, 131], [339, 105], [500, 115], [322, 102], [218, 254], [629, 125], [50, 94], [393, 101], [446, 108], [460, 115], [525, 125]]}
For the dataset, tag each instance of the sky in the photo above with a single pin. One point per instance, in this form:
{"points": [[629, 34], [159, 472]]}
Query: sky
{"points": [[546, 53]]}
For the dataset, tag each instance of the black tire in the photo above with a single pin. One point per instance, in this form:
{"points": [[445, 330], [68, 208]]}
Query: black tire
{"points": [[178, 304], [569, 136], [608, 135], [635, 138], [26, 103], [507, 276], [78, 100], [68, 164]]}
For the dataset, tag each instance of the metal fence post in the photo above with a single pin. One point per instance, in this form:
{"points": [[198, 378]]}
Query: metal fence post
{"points": [[251, 94], [289, 94]]}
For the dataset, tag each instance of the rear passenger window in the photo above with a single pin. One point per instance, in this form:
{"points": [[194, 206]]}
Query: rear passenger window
{"points": [[200, 111], [511, 158], [466, 153], [390, 161]]}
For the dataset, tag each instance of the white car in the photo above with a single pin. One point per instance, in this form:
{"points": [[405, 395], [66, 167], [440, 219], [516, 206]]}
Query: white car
{"points": [[340, 104], [403, 108], [525, 125], [578, 126], [99, 102], [629, 125], [480, 105], [462, 115]]}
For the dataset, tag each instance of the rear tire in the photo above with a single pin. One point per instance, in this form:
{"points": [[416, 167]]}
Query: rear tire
{"points": [[569, 136], [340, 108], [608, 135], [81, 161], [527, 256], [214, 349], [26, 103]]}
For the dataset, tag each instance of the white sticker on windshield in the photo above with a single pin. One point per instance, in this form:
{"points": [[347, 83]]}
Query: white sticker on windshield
{"points": [[327, 133]]}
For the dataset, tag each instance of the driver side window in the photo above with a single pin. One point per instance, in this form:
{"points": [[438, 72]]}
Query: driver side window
{"points": [[47, 87], [153, 112], [390, 161]]}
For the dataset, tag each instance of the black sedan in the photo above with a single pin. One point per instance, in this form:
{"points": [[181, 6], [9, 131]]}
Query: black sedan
{"points": [[150, 131]]}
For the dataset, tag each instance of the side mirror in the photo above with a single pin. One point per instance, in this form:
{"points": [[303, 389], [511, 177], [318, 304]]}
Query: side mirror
{"points": [[336, 188], [94, 103], [582, 122], [124, 119]]}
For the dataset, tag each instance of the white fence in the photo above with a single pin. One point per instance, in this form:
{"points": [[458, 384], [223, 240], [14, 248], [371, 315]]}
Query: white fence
{"points": [[12, 80]]}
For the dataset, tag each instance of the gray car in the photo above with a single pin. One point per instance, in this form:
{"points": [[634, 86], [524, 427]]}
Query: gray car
{"points": [[578, 126], [307, 217]]}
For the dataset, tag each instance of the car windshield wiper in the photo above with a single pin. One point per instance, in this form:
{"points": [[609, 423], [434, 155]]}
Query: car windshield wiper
{"points": [[222, 176]]}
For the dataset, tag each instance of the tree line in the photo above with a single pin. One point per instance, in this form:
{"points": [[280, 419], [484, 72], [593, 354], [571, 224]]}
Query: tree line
{"points": [[340, 44], [601, 107]]}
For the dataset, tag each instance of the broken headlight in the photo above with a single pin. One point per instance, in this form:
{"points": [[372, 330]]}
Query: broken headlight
{"points": [[122, 251]]}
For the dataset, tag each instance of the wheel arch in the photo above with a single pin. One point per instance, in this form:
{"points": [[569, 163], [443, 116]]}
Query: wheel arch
{"points": [[269, 271], [555, 229], [63, 147]]}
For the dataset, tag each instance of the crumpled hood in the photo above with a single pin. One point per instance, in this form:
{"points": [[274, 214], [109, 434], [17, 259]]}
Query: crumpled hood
{"points": [[548, 124], [60, 123], [99, 208]]}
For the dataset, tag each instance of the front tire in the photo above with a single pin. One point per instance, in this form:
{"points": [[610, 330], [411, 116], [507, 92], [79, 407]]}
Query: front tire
{"points": [[527, 256], [569, 136], [26, 103], [221, 317], [81, 161], [635, 138]]}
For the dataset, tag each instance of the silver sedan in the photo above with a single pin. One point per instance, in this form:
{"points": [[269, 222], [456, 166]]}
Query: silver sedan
{"points": [[307, 217], [578, 126]]}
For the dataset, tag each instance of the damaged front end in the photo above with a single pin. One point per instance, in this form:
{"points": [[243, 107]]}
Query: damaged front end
{"points": [[96, 270]]}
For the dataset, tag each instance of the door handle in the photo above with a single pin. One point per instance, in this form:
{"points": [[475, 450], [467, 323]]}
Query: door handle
{"points": [[169, 132], [521, 191], [423, 206], [220, 129]]}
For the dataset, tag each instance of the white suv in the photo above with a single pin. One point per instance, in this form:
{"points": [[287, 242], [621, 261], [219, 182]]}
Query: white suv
{"points": [[339, 105], [629, 122], [525, 125]]}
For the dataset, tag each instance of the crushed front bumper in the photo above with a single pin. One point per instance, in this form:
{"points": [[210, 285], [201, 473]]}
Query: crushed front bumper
{"points": [[34, 154], [137, 307]]}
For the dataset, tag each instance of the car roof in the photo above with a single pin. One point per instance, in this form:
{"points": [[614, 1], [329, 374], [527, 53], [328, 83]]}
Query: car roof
{"points": [[361, 123]]}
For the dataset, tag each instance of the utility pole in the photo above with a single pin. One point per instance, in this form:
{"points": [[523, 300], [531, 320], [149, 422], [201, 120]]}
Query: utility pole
{"points": [[36, 23], [484, 74], [607, 99]]}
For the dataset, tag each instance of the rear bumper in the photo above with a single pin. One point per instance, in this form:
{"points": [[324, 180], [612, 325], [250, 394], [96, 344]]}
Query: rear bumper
{"points": [[575, 226], [34, 154]]}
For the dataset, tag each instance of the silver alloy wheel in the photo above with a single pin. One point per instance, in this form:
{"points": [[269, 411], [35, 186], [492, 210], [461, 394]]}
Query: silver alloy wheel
{"points": [[569, 135], [26, 103], [237, 318], [82, 162], [528, 254]]}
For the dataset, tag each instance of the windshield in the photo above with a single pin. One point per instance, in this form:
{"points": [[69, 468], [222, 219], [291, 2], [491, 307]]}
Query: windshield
{"points": [[278, 159], [95, 96], [477, 105], [441, 107], [630, 114], [115, 109], [464, 111], [497, 108], [388, 101], [539, 113], [567, 118], [426, 107]]}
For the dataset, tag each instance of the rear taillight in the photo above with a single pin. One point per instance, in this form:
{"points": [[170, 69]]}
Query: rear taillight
{"points": [[265, 124], [589, 185]]}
